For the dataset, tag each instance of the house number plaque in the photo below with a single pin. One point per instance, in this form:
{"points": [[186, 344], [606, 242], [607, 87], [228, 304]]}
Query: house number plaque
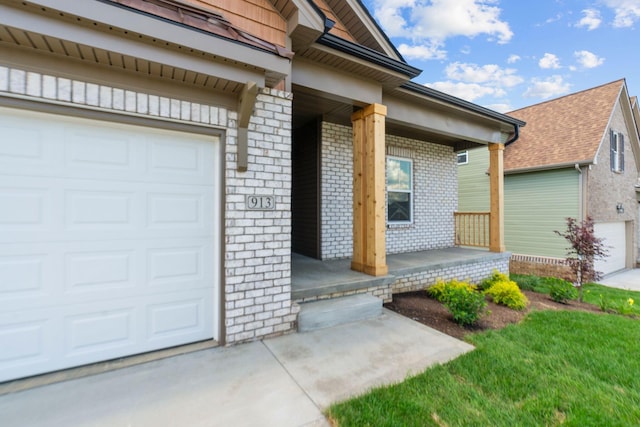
{"points": [[261, 203]]}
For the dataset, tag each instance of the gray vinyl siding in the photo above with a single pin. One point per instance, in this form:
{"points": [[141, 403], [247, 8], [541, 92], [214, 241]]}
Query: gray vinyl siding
{"points": [[473, 182], [536, 204]]}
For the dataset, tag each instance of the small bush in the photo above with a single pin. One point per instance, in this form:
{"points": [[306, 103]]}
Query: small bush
{"points": [[495, 277], [506, 292], [560, 290], [465, 304], [441, 288], [526, 282]]}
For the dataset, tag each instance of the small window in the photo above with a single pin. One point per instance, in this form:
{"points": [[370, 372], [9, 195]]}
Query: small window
{"points": [[463, 157], [617, 152], [399, 190]]}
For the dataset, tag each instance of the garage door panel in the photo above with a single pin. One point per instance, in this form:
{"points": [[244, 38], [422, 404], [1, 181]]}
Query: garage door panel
{"points": [[89, 210], [100, 331], [44, 275], [108, 246], [614, 239]]}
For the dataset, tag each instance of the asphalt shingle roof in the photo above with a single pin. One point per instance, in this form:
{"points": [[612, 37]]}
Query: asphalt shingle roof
{"points": [[564, 130]]}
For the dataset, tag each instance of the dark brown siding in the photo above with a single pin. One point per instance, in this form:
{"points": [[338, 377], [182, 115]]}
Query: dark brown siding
{"points": [[305, 191]]}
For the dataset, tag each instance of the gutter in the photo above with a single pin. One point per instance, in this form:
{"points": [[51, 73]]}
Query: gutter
{"points": [[548, 167], [368, 55], [449, 99]]}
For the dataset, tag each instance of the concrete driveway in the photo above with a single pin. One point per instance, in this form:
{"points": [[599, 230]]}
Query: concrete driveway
{"points": [[626, 279], [284, 381]]}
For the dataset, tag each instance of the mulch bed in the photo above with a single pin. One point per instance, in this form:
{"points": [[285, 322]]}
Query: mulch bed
{"points": [[421, 308]]}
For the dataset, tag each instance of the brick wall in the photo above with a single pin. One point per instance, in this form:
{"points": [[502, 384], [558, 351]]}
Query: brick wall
{"points": [[258, 243], [257, 264], [473, 272], [435, 195], [336, 153]]}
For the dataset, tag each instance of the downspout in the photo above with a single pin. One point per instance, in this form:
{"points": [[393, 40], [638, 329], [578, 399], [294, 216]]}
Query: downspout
{"points": [[581, 191], [516, 135]]}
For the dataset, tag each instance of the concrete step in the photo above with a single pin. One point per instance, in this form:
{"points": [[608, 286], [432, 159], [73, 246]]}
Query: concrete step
{"points": [[337, 311]]}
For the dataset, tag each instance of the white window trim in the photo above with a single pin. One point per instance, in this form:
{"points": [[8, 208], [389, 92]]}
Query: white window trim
{"points": [[466, 157], [410, 192], [617, 153]]}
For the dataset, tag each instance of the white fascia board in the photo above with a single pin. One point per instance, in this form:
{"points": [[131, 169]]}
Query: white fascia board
{"points": [[306, 16], [140, 23], [373, 29], [434, 120], [335, 83]]}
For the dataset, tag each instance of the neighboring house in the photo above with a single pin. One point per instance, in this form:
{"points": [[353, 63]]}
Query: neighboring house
{"points": [[578, 156], [161, 159]]}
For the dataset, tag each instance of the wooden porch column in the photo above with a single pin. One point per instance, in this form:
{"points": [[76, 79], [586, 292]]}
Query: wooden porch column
{"points": [[369, 187], [496, 185]]}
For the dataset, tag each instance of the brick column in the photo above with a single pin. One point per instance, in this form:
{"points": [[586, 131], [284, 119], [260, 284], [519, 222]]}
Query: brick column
{"points": [[496, 186], [369, 186]]}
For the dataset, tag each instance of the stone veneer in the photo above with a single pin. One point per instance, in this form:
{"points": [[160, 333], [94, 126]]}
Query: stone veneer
{"points": [[257, 246], [435, 194]]}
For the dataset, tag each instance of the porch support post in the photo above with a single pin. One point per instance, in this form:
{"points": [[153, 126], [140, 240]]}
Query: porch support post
{"points": [[496, 185], [369, 185]]}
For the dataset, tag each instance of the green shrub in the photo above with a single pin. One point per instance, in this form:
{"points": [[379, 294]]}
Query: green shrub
{"points": [[441, 288], [506, 292], [526, 282], [465, 304], [495, 277], [560, 290]]}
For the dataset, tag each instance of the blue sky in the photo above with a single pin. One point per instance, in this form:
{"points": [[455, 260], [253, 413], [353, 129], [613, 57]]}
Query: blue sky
{"points": [[508, 54]]}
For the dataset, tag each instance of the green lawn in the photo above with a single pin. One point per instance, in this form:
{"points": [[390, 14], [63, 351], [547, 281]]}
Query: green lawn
{"points": [[569, 368]]}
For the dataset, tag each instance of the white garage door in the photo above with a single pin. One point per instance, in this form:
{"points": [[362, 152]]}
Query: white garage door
{"points": [[613, 234], [108, 240]]}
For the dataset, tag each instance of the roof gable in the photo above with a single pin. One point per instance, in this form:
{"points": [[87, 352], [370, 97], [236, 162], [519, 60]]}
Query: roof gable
{"points": [[563, 131]]}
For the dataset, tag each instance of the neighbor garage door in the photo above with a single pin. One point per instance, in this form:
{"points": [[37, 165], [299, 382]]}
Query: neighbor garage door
{"points": [[107, 240], [613, 234]]}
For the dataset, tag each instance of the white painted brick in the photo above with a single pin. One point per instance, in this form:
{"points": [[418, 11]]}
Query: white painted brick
{"points": [[17, 81], [154, 105], [34, 84], [105, 100], [130, 101], [4, 79], [78, 92], [49, 87], [165, 107], [118, 101]]}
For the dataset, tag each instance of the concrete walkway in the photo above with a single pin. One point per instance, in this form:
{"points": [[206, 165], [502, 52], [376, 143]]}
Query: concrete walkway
{"points": [[284, 381], [626, 279]]}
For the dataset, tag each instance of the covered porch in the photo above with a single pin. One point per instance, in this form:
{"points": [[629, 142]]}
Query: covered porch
{"points": [[313, 279]]}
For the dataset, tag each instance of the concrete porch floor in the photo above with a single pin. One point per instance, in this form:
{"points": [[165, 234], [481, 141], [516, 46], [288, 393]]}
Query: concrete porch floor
{"points": [[312, 277], [284, 381]]}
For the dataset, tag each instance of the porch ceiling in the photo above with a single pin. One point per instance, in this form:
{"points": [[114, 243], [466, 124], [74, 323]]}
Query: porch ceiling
{"points": [[10, 36], [309, 105]]}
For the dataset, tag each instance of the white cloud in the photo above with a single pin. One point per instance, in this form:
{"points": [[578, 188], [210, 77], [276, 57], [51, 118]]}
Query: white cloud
{"points": [[468, 91], [500, 108], [434, 21], [513, 59], [472, 81], [549, 60], [547, 88], [591, 19], [488, 74], [627, 12], [587, 59], [390, 15], [423, 51]]}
